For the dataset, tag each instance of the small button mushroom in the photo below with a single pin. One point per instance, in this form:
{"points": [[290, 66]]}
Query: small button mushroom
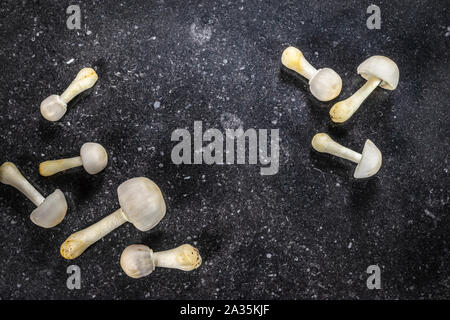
{"points": [[325, 84], [50, 211], [141, 203], [369, 162], [54, 107], [378, 71], [93, 158], [138, 260]]}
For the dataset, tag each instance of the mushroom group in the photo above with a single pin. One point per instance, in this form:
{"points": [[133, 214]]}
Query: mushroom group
{"points": [[50, 211]]}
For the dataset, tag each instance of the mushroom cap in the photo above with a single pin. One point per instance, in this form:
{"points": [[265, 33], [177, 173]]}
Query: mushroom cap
{"points": [[383, 68], [325, 85], [370, 163], [53, 108], [50, 212], [93, 157], [137, 261], [141, 202]]}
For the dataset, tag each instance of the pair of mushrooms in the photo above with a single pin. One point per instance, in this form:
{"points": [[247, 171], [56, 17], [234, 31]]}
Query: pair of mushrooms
{"points": [[142, 204], [325, 84], [51, 211]]}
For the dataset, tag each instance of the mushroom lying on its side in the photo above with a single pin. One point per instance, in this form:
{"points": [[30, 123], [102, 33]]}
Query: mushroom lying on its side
{"points": [[378, 71], [93, 158], [141, 203], [50, 211], [325, 84], [369, 162], [138, 260], [54, 107]]}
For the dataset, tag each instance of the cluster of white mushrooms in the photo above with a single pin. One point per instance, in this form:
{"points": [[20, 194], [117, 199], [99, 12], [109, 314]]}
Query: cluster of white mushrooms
{"points": [[325, 84], [141, 201]]}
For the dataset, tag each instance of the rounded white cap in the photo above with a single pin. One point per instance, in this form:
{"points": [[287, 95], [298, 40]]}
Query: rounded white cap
{"points": [[326, 84], [370, 163], [137, 261], [383, 68], [53, 108], [50, 212], [93, 157], [141, 202]]}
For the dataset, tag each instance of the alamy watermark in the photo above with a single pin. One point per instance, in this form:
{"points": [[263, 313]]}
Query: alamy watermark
{"points": [[74, 20], [374, 280], [374, 20], [74, 280], [222, 149]]}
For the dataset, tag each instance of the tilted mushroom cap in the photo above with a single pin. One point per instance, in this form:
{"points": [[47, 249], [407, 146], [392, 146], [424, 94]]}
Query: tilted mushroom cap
{"points": [[53, 108], [141, 202], [137, 261], [93, 157], [382, 68], [370, 161], [326, 84], [50, 212]]}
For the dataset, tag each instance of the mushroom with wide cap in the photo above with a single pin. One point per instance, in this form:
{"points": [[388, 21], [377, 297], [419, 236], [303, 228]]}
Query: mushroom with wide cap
{"points": [[138, 260], [369, 161], [54, 107], [378, 71], [93, 158], [141, 203], [325, 84], [50, 211]]}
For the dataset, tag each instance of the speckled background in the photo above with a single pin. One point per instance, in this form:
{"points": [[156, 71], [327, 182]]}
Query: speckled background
{"points": [[309, 231]]}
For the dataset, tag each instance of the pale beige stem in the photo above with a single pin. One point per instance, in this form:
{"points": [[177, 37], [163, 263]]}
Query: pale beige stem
{"points": [[84, 80], [323, 143], [10, 175], [50, 167], [184, 257], [293, 59], [343, 110], [79, 241]]}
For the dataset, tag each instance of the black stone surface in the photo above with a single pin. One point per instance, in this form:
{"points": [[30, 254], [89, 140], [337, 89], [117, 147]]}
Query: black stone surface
{"points": [[309, 231]]}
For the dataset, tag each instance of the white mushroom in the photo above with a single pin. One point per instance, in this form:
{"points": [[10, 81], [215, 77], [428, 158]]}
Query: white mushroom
{"points": [[141, 203], [54, 107], [138, 260], [93, 158], [378, 71], [50, 211], [325, 84], [369, 162]]}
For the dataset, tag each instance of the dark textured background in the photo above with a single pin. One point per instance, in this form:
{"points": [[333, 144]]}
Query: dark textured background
{"points": [[308, 232]]}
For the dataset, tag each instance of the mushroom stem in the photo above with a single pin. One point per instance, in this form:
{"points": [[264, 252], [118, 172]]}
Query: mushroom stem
{"points": [[10, 175], [343, 110], [323, 143], [84, 80], [184, 257], [50, 167], [293, 59], [79, 241]]}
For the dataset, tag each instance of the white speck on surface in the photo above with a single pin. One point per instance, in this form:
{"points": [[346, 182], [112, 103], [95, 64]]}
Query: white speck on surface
{"points": [[157, 104], [139, 149], [89, 32], [269, 256], [200, 35], [70, 61]]}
